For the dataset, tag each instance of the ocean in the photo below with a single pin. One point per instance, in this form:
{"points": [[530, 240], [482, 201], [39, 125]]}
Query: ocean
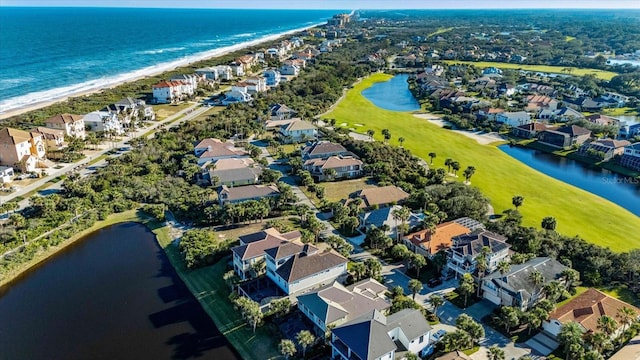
{"points": [[49, 53]]}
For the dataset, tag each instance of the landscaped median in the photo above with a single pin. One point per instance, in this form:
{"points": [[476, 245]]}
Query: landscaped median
{"points": [[498, 175], [563, 70]]}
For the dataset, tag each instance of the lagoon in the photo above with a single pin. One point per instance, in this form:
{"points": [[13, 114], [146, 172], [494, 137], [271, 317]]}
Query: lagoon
{"points": [[392, 95], [112, 295], [624, 191]]}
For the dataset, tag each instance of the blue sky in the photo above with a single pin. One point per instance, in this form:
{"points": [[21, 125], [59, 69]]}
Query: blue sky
{"points": [[336, 4]]}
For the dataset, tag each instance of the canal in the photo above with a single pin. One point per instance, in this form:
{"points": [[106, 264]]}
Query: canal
{"points": [[112, 295]]}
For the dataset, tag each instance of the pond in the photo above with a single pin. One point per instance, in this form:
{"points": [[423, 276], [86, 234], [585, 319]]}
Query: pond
{"points": [[392, 95], [112, 295], [619, 189]]}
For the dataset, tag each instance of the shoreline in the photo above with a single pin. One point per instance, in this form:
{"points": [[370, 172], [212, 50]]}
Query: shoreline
{"points": [[23, 270], [135, 75]]}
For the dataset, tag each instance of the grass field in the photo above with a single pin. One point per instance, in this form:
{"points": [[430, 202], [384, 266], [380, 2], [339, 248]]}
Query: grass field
{"points": [[165, 110], [212, 292], [498, 175], [600, 74], [338, 190]]}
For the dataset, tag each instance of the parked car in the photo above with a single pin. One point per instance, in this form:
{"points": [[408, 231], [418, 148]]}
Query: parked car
{"points": [[437, 336], [434, 282], [424, 353]]}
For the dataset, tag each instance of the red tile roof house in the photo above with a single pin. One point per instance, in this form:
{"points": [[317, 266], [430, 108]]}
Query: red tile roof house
{"points": [[345, 167], [252, 247], [586, 309], [296, 267], [428, 243]]}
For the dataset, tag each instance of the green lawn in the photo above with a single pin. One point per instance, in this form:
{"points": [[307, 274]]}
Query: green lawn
{"points": [[338, 190], [620, 111], [163, 111], [210, 289], [601, 74], [498, 175]]}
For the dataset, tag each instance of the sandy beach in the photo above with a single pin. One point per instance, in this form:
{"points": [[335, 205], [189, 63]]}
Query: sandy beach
{"points": [[479, 136], [142, 73]]}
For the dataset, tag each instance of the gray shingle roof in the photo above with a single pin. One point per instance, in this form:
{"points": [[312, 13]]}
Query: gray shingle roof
{"points": [[472, 243], [302, 265]]}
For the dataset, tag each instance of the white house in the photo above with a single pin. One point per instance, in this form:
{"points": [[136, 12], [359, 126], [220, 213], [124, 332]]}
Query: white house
{"points": [[289, 69], [514, 118], [298, 130], [256, 84], [212, 150], [224, 72], [238, 93], [237, 69], [296, 267], [73, 125], [6, 174], [272, 77], [252, 247], [191, 80], [375, 336], [166, 92], [209, 73], [104, 121]]}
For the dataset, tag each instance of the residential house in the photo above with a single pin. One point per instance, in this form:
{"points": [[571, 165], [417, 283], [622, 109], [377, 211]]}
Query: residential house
{"points": [[224, 72], [298, 131], [603, 149], [166, 92], [507, 89], [564, 136], [235, 195], [336, 304], [379, 196], [617, 100], [345, 167], [513, 118], [584, 103], [600, 119], [454, 355], [562, 114], [323, 150], [21, 149], [73, 125], [585, 309], [375, 336], [212, 150], [248, 61], [297, 267], [209, 73], [384, 217], [6, 174], [631, 157], [281, 112], [631, 351], [537, 103], [428, 242], [235, 172], [191, 80], [53, 138], [103, 121], [237, 68], [515, 288], [492, 72], [239, 93], [272, 77], [528, 131], [466, 248], [138, 107], [490, 113], [256, 84], [629, 131], [252, 247], [289, 69]]}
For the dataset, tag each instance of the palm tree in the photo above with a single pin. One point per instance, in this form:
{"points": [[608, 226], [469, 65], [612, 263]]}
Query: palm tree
{"points": [[402, 214], [401, 140], [415, 286], [495, 353], [607, 325], [468, 173], [517, 201], [455, 166], [571, 277], [598, 341], [537, 279], [482, 265], [553, 291], [359, 270], [287, 348], [504, 267], [371, 133], [432, 156], [305, 338], [436, 301], [570, 334], [549, 223], [448, 163], [626, 316], [466, 286]]}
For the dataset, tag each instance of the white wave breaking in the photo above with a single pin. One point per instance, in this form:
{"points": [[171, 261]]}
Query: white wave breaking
{"points": [[160, 51], [45, 97]]}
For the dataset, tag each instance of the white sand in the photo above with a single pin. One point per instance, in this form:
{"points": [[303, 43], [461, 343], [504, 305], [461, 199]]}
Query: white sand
{"points": [[479, 136]]}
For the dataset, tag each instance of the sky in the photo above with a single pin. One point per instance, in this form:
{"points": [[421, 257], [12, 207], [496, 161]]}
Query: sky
{"points": [[339, 4]]}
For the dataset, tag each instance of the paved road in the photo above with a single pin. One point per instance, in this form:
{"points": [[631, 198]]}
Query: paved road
{"points": [[191, 112]]}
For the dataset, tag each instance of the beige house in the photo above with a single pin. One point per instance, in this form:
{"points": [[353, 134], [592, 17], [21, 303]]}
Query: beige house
{"points": [[73, 125], [21, 148], [53, 138]]}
